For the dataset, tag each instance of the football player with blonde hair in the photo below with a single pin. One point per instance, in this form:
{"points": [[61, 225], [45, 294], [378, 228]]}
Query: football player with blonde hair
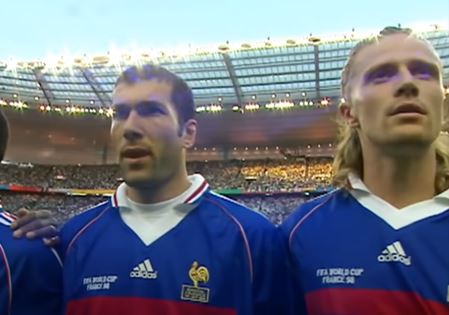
{"points": [[378, 243]]}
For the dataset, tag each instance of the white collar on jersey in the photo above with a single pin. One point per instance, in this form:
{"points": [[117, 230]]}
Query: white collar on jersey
{"points": [[397, 218], [190, 196]]}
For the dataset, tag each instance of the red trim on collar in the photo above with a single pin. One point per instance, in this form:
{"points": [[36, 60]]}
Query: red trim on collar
{"points": [[190, 199], [115, 200], [197, 193]]}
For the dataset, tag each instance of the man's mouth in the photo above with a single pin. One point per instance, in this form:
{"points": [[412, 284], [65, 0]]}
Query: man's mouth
{"points": [[135, 153], [408, 108]]}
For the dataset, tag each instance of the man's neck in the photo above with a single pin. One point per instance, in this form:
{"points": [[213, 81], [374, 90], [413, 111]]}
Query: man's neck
{"points": [[400, 180], [159, 192]]}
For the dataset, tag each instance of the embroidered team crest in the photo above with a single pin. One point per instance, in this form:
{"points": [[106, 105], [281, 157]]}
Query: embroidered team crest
{"points": [[198, 274]]}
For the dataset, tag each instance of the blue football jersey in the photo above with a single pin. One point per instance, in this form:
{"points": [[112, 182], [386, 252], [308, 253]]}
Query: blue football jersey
{"points": [[353, 253], [30, 275], [220, 259]]}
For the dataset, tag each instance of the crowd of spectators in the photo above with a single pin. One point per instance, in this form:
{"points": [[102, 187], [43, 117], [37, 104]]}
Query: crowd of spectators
{"points": [[263, 177], [63, 207], [66, 176], [276, 208], [268, 175], [250, 176]]}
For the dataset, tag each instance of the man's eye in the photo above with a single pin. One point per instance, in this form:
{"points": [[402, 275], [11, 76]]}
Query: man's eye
{"points": [[424, 71], [149, 110], [121, 111], [381, 75]]}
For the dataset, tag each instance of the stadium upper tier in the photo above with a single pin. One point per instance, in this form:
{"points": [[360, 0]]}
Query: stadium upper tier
{"points": [[227, 76]]}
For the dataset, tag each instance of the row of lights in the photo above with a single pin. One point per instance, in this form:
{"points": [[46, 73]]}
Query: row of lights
{"points": [[319, 146], [235, 148], [220, 98], [15, 104], [273, 96], [257, 148], [200, 109], [282, 105], [37, 98], [77, 110], [213, 108]]}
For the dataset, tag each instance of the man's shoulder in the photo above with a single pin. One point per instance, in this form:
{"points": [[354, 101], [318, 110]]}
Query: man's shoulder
{"points": [[27, 252], [306, 209], [17, 246], [240, 214], [82, 222], [88, 215]]}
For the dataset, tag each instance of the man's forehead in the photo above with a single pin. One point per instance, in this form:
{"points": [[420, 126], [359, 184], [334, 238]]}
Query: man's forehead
{"points": [[142, 90], [394, 49]]}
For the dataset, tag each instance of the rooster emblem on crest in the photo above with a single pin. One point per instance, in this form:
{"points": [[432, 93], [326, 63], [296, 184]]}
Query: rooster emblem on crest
{"points": [[198, 274]]}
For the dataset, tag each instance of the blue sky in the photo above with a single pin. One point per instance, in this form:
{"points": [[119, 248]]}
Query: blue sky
{"points": [[34, 29]]}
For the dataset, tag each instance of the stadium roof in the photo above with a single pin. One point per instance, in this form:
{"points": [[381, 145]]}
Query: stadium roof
{"points": [[260, 72]]}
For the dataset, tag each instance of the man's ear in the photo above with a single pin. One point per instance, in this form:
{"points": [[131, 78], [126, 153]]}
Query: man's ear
{"points": [[189, 132], [347, 112]]}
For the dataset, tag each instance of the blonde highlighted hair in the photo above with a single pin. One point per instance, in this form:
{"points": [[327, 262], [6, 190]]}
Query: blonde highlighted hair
{"points": [[349, 157]]}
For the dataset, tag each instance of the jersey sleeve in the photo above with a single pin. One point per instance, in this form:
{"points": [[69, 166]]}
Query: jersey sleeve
{"points": [[287, 231], [43, 272], [297, 297], [273, 288], [76, 225], [30, 277], [272, 285]]}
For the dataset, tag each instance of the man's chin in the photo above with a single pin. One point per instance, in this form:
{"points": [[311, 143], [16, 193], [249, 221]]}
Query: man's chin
{"points": [[408, 143], [414, 137], [137, 179]]}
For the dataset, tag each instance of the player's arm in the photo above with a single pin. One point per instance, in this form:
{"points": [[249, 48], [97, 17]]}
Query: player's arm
{"points": [[36, 224], [272, 285], [297, 296]]}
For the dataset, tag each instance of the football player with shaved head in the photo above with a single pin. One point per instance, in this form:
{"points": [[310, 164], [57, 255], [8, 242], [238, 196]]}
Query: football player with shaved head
{"points": [[165, 243]]}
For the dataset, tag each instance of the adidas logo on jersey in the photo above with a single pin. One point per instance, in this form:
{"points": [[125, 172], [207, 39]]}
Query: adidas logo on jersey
{"points": [[144, 271], [395, 253]]}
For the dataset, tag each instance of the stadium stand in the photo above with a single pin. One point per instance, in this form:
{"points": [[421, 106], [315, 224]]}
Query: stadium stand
{"points": [[273, 187], [249, 176]]}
